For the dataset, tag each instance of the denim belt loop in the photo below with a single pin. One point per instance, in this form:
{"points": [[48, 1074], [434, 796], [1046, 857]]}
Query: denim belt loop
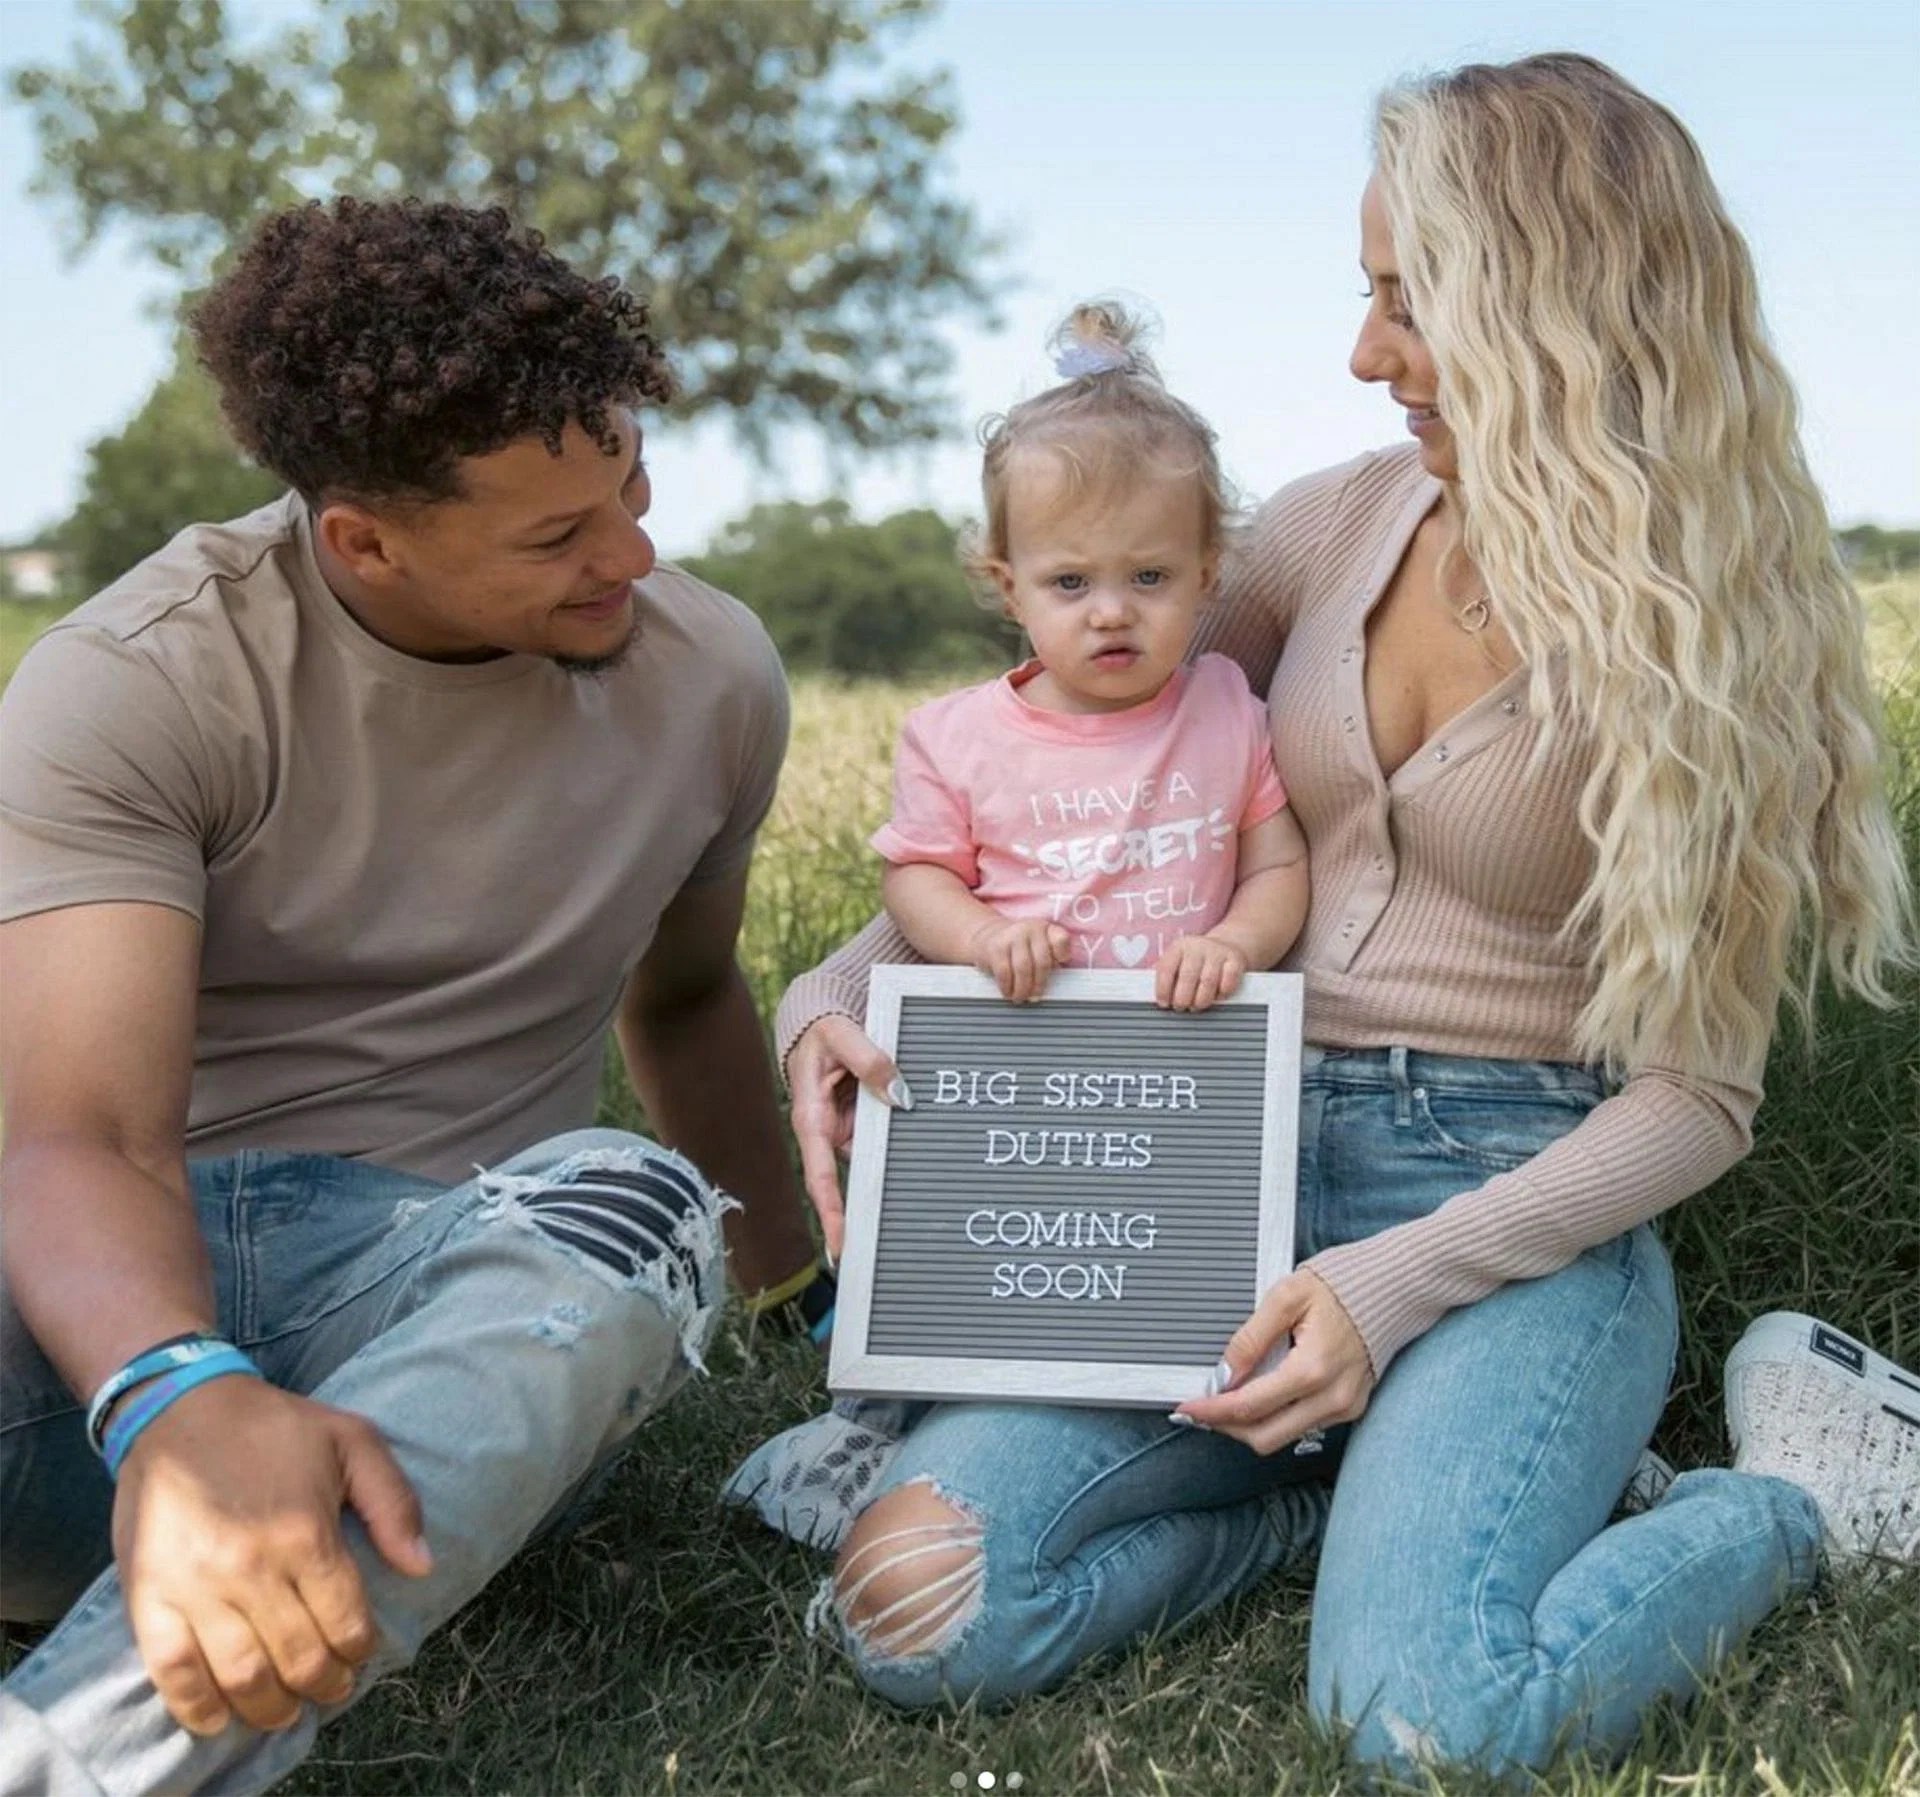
{"points": [[1402, 1086]]}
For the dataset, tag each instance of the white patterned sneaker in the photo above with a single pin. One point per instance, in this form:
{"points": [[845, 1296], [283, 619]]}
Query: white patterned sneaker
{"points": [[809, 1482], [1651, 1477], [1817, 1408]]}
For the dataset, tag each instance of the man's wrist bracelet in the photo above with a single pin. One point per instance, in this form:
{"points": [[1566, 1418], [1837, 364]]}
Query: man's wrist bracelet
{"points": [[157, 1396], [162, 1357]]}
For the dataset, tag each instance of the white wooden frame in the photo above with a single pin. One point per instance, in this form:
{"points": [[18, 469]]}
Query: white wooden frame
{"points": [[1144, 1383]]}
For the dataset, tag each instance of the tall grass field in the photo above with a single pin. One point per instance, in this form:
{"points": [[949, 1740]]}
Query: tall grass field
{"points": [[662, 1647]]}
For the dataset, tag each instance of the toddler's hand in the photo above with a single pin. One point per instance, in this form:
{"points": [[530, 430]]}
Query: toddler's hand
{"points": [[1196, 972], [1019, 953]]}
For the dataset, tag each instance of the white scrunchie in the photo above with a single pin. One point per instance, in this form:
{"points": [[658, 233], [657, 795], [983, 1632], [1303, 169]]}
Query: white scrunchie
{"points": [[1080, 358]]}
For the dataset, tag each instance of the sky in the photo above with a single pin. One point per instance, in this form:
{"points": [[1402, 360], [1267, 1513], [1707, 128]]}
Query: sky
{"points": [[1205, 157]]}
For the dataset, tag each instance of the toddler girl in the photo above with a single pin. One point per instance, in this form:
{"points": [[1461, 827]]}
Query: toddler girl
{"points": [[1103, 805]]}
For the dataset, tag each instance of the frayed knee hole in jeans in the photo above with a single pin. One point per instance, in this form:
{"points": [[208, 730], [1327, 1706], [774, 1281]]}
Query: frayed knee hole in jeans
{"points": [[911, 1578], [640, 1217]]}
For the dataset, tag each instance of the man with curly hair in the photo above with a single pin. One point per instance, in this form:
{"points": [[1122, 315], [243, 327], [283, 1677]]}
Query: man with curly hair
{"points": [[332, 841]]}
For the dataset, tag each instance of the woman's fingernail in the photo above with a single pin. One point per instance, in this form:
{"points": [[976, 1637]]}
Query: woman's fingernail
{"points": [[1181, 1420], [898, 1094], [1222, 1379]]}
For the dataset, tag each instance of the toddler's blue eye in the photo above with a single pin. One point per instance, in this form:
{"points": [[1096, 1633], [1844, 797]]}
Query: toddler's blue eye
{"points": [[1150, 577], [1070, 583]]}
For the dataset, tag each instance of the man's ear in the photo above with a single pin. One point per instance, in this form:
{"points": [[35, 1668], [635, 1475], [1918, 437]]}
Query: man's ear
{"points": [[360, 539]]}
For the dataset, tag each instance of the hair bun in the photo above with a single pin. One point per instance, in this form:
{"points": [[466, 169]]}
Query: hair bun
{"points": [[1098, 338]]}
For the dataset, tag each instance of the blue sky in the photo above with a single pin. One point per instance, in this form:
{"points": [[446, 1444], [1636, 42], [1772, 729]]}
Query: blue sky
{"points": [[1205, 156]]}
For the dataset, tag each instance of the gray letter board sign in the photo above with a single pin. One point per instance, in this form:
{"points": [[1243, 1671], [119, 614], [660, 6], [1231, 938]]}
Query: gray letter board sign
{"points": [[1087, 1199]]}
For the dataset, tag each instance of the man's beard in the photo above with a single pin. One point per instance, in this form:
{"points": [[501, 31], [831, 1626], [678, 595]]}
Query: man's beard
{"points": [[588, 667]]}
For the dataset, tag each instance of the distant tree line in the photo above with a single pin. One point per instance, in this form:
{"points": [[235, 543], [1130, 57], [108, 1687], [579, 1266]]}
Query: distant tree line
{"points": [[844, 597], [837, 594], [1869, 550], [171, 465]]}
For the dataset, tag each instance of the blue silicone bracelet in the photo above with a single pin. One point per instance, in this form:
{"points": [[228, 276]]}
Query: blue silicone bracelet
{"points": [[159, 1395], [162, 1357]]}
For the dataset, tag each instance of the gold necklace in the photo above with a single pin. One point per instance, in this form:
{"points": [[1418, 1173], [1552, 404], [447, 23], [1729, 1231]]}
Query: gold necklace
{"points": [[1476, 614], [1472, 617]]}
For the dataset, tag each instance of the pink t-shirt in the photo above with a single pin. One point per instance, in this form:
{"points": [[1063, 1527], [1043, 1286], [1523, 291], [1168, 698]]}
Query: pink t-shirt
{"points": [[1123, 826]]}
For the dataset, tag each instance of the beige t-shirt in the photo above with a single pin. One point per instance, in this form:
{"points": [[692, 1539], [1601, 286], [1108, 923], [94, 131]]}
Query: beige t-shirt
{"points": [[421, 884]]}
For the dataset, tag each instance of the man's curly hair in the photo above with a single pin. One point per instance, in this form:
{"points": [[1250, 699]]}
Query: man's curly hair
{"points": [[363, 348]]}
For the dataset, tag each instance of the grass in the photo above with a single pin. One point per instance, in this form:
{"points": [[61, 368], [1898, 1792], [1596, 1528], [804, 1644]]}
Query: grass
{"points": [[662, 1647], [1893, 630], [20, 622]]}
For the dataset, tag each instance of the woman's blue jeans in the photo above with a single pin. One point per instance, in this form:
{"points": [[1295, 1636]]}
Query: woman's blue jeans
{"points": [[1472, 1602]]}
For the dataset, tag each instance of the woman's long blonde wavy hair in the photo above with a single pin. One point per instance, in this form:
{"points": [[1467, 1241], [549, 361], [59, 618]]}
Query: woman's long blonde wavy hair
{"points": [[1635, 498]]}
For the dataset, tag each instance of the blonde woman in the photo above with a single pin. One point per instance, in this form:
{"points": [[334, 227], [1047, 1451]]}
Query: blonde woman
{"points": [[1572, 698]]}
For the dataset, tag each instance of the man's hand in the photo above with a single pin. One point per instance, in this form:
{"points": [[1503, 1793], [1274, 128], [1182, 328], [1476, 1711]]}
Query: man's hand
{"points": [[1019, 954], [1196, 972], [226, 1529], [833, 1058], [1325, 1377]]}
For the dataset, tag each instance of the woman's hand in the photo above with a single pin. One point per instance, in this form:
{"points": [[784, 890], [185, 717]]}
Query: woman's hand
{"points": [[1325, 1377], [833, 1058]]}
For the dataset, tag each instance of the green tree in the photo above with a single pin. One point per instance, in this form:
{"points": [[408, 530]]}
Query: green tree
{"points": [[1874, 552], [172, 464], [757, 169], [851, 598]]}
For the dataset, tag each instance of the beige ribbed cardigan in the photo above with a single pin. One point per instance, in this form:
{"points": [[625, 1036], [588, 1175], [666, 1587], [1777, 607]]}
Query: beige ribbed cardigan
{"points": [[1439, 897]]}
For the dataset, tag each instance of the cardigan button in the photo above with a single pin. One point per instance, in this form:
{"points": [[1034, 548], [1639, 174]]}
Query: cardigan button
{"points": [[1509, 706]]}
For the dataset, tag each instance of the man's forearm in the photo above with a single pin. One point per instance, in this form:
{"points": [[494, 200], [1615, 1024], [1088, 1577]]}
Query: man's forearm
{"points": [[701, 1070], [103, 1256]]}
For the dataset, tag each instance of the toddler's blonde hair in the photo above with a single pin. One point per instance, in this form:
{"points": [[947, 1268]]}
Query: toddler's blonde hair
{"points": [[1105, 429]]}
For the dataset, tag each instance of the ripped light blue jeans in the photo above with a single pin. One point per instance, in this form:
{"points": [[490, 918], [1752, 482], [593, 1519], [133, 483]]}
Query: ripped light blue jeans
{"points": [[507, 1335], [1472, 1602]]}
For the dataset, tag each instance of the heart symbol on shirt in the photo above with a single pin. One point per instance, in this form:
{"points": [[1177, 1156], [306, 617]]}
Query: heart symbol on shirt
{"points": [[1130, 951]]}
